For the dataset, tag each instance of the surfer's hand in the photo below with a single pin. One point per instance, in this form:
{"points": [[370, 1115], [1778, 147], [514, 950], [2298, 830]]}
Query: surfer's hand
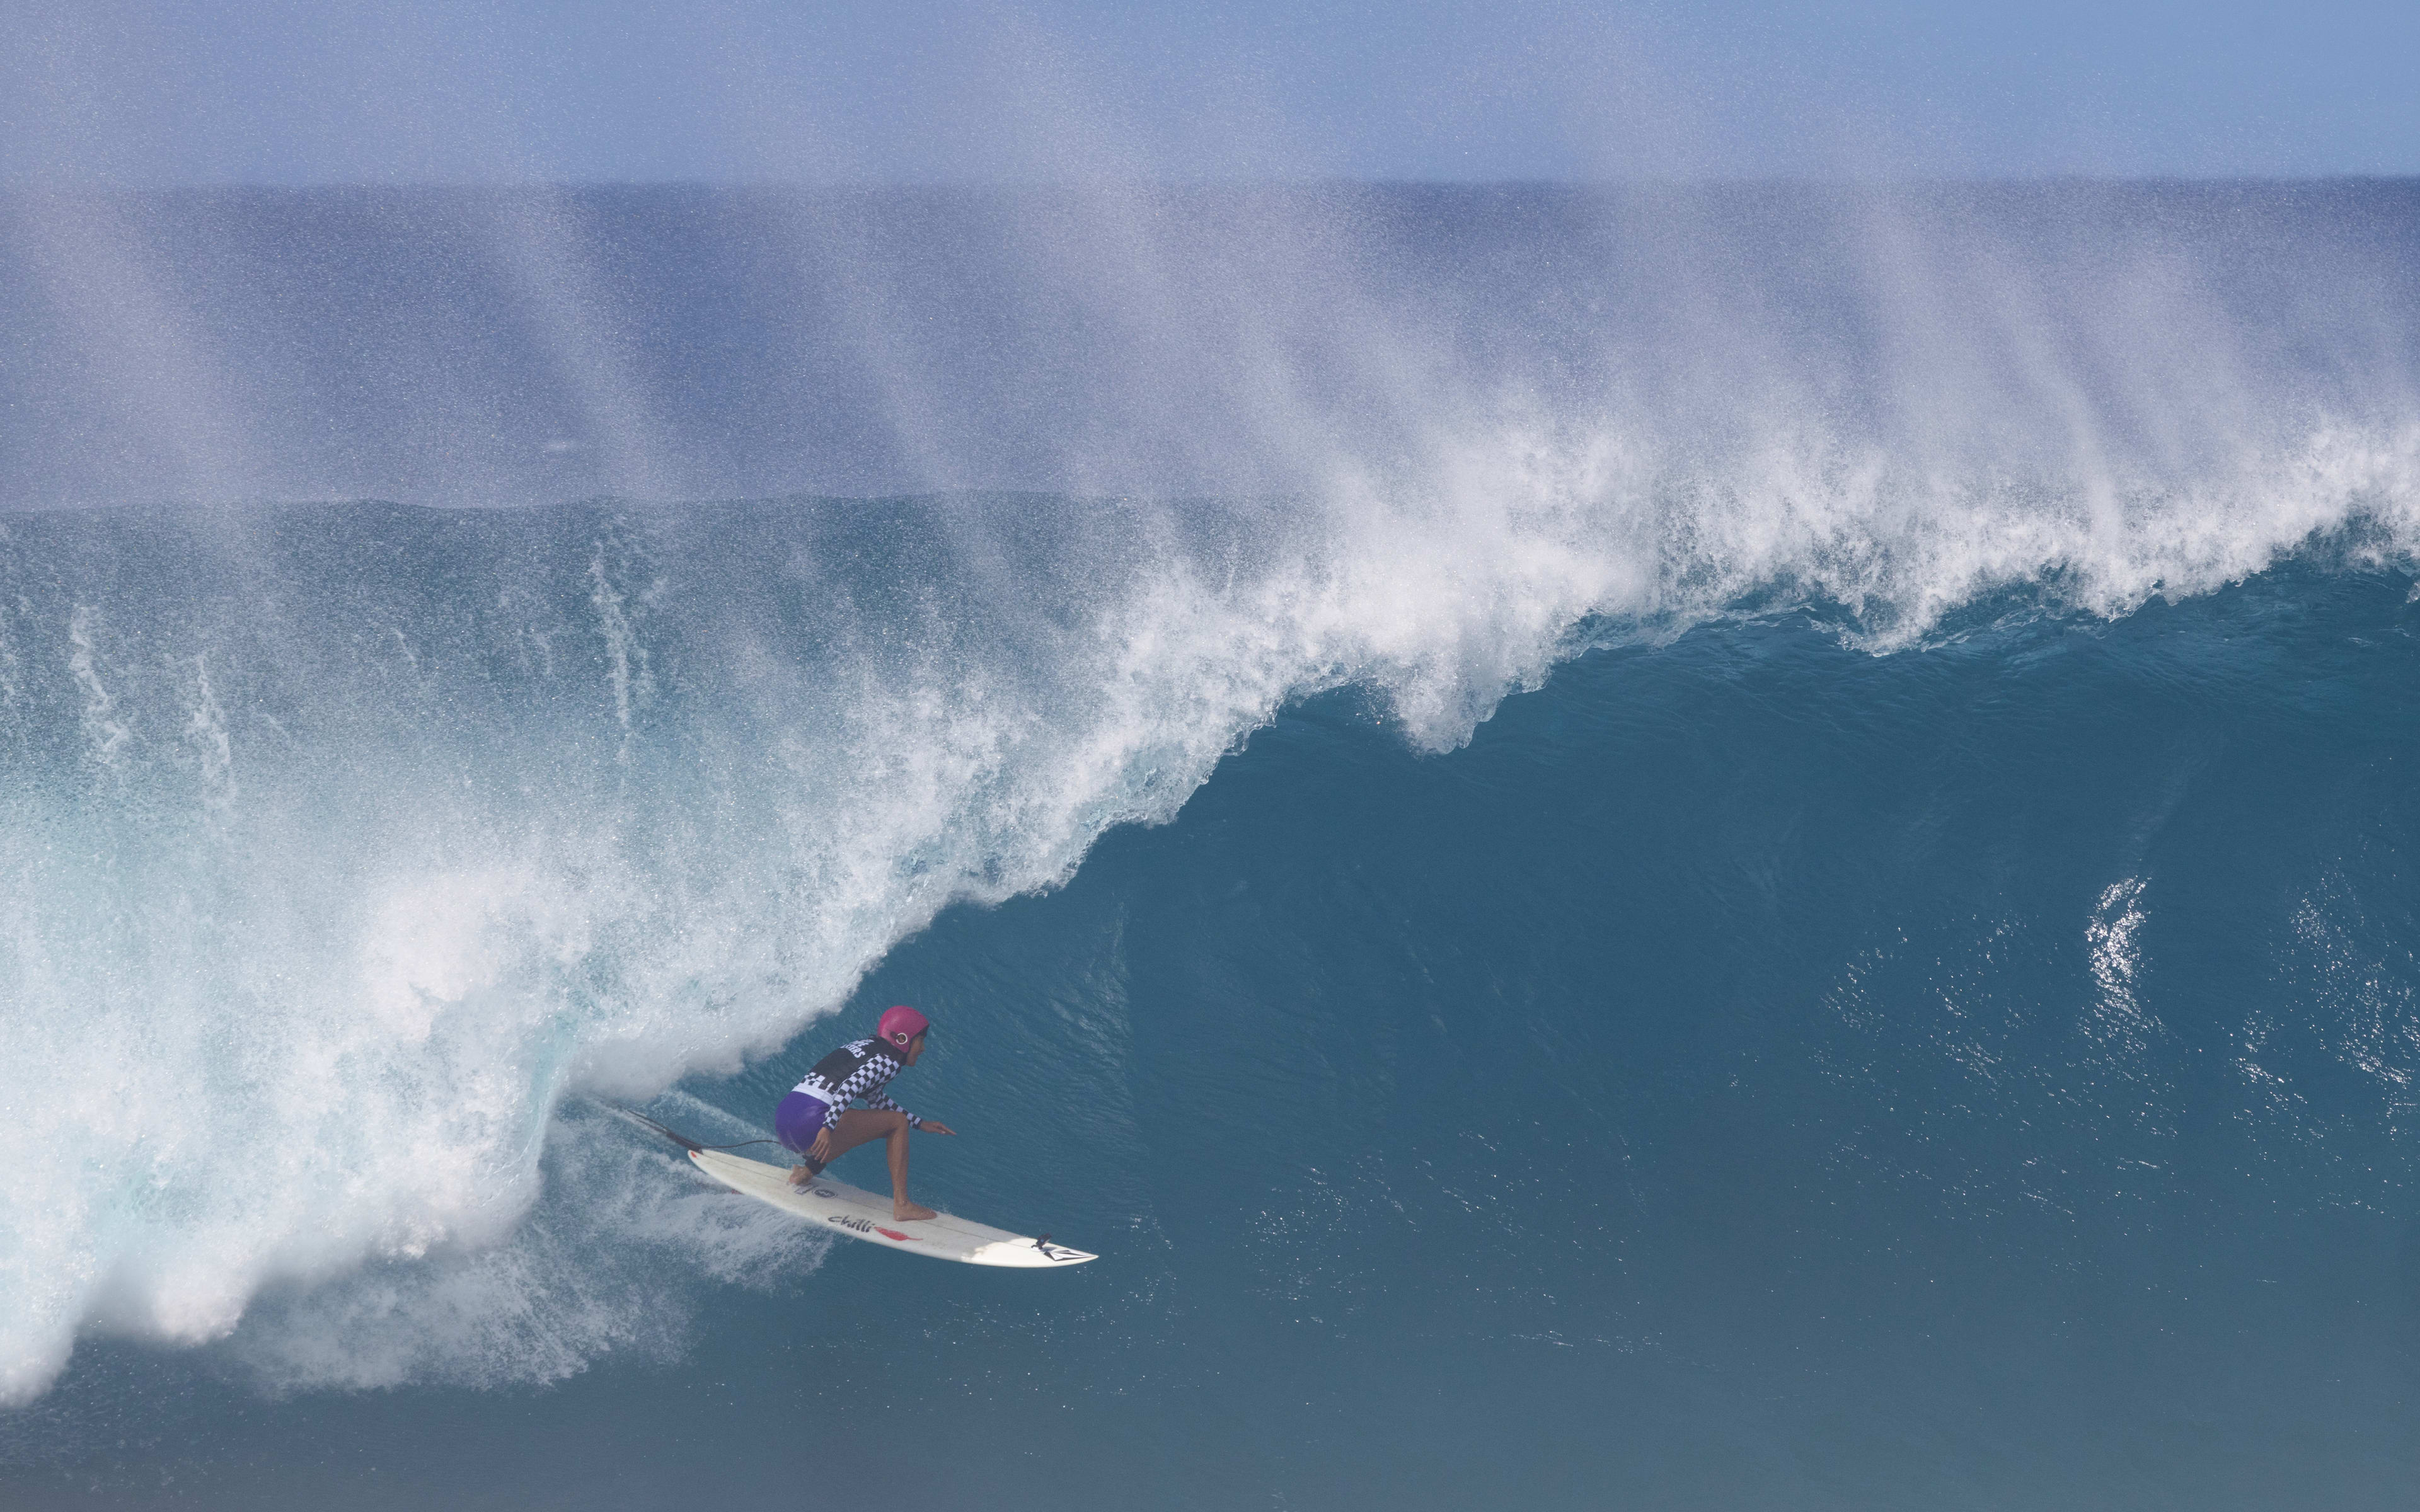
{"points": [[928, 1126], [821, 1149]]}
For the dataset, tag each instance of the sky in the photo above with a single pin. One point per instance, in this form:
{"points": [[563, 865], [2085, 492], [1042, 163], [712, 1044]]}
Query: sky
{"points": [[167, 92]]}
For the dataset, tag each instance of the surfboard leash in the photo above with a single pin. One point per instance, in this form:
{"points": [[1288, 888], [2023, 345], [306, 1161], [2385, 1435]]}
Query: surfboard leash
{"points": [[677, 1136]]}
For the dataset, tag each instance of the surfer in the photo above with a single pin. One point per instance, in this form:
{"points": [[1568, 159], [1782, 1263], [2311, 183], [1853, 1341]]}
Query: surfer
{"points": [[815, 1122]]}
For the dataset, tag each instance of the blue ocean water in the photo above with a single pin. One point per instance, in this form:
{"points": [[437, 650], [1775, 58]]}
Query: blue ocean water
{"points": [[1615, 852]]}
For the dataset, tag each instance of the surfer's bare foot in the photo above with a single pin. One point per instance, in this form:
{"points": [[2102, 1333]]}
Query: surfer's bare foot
{"points": [[909, 1211], [799, 1176]]}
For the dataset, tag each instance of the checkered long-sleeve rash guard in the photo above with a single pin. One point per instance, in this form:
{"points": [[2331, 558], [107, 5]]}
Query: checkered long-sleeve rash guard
{"points": [[876, 1066]]}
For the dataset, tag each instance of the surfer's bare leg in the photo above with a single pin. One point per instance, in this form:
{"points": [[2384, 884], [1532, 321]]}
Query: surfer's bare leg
{"points": [[859, 1126], [901, 1207]]}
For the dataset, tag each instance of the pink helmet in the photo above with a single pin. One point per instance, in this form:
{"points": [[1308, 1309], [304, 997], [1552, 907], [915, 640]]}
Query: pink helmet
{"points": [[900, 1025]]}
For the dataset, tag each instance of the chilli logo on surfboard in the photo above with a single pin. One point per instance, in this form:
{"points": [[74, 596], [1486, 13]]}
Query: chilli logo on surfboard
{"points": [[868, 1225]]}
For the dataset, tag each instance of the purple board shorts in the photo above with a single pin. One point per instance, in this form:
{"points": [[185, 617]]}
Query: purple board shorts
{"points": [[799, 1119]]}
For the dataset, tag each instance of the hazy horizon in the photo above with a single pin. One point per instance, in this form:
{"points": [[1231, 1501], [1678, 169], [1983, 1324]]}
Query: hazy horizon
{"points": [[151, 95]]}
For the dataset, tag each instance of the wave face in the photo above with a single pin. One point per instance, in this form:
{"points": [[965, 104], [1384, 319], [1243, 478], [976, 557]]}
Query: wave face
{"points": [[1733, 1022]]}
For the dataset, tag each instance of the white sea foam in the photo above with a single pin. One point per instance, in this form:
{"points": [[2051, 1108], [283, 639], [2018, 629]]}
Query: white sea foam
{"points": [[576, 1280]]}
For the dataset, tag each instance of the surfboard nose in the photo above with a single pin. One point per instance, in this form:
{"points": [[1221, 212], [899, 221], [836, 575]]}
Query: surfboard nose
{"points": [[1034, 1255]]}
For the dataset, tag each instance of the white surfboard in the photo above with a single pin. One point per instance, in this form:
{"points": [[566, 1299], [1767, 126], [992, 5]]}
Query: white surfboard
{"points": [[844, 1209]]}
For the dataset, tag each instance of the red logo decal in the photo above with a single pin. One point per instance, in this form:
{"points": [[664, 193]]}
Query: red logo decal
{"points": [[893, 1233]]}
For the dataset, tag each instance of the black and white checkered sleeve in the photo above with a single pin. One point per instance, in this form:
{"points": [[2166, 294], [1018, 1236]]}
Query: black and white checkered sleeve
{"points": [[863, 1082], [866, 1082], [882, 1100]]}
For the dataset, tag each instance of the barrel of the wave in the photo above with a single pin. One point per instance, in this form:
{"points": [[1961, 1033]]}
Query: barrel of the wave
{"points": [[815, 1122]]}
